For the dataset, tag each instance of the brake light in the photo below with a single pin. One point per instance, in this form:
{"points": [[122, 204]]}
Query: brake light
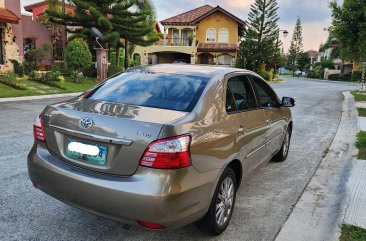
{"points": [[150, 225], [169, 153], [38, 130]]}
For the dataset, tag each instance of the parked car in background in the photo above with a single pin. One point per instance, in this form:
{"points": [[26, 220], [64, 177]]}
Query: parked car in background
{"points": [[161, 146]]}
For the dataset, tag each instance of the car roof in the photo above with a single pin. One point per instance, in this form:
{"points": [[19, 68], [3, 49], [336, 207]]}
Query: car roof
{"points": [[188, 69]]}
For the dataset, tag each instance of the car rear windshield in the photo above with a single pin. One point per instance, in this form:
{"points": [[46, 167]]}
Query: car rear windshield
{"points": [[164, 91]]}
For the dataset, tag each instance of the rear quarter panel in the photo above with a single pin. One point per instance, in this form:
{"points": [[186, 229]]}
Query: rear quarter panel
{"points": [[213, 142]]}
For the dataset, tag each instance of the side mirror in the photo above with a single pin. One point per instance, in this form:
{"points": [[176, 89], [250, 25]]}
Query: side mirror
{"points": [[288, 102]]}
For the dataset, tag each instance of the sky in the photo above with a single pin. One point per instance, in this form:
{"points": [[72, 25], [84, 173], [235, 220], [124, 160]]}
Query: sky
{"points": [[314, 14]]}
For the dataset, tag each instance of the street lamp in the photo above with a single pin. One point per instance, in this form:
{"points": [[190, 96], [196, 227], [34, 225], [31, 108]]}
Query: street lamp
{"points": [[285, 33]]}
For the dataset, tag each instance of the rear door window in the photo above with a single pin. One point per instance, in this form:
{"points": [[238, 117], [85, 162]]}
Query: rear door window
{"points": [[242, 94], [266, 95], [164, 91]]}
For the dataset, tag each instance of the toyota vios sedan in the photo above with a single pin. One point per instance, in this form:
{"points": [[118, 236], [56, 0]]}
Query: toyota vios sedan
{"points": [[161, 146]]}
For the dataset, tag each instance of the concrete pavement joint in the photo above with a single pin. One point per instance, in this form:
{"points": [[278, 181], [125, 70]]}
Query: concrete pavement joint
{"points": [[326, 192]]}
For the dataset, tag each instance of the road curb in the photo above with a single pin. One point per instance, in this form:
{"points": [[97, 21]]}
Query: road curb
{"points": [[39, 97], [319, 211]]}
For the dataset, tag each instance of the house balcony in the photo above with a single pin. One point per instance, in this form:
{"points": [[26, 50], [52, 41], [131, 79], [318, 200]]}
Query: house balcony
{"points": [[170, 45]]}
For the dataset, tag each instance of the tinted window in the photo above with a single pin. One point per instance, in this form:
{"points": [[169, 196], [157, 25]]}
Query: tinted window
{"points": [[164, 91], [230, 102], [265, 94], [242, 93]]}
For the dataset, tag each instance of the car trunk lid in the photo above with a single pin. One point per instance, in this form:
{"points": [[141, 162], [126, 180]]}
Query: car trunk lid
{"points": [[120, 132]]}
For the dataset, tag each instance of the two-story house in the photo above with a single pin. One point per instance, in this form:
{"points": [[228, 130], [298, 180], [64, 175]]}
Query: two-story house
{"points": [[205, 35]]}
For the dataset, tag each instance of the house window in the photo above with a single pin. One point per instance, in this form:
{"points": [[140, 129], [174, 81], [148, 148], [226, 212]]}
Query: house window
{"points": [[1, 47], [224, 35], [211, 35], [28, 44]]}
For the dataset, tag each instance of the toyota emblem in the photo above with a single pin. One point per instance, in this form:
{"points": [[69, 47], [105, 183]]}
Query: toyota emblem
{"points": [[85, 123]]}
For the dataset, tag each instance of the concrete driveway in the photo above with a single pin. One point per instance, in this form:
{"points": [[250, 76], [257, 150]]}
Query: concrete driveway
{"points": [[263, 203]]}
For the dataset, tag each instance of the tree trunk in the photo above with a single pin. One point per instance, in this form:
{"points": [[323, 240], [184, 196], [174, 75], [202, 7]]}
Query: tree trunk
{"points": [[118, 55], [126, 54]]}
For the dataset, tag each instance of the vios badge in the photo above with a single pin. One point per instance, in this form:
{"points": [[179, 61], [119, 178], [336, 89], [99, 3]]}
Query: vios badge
{"points": [[85, 123]]}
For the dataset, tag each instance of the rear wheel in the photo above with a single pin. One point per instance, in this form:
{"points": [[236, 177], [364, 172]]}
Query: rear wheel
{"points": [[222, 205], [282, 154]]}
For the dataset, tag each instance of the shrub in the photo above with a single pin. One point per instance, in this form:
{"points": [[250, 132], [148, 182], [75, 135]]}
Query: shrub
{"points": [[33, 57], [356, 76], [91, 71], [78, 55], [51, 78], [13, 81], [18, 68], [267, 75], [334, 77], [344, 77], [114, 69]]}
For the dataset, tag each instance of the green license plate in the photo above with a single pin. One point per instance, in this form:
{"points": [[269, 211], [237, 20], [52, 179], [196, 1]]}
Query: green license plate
{"points": [[89, 153]]}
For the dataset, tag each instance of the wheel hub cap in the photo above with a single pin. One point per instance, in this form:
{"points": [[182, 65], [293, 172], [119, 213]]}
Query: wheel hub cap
{"points": [[225, 201]]}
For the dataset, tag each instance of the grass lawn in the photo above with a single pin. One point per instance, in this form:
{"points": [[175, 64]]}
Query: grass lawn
{"points": [[359, 96], [36, 88], [361, 145], [352, 233], [361, 112]]}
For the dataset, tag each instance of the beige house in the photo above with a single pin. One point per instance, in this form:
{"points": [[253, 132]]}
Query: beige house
{"points": [[205, 35]]}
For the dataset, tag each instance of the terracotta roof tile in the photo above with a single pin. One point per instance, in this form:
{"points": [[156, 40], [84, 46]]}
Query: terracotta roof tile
{"points": [[217, 47], [6, 16], [188, 17]]}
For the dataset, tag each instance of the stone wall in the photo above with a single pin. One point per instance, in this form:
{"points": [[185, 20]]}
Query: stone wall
{"points": [[10, 48]]}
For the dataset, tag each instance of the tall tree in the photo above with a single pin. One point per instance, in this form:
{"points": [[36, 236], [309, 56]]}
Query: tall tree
{"points": [[350, 29], [260, 35], [131, 20], [295, 47]]}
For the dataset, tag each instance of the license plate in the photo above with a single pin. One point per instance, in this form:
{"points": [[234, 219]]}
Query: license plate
{"points": [[89, 153]]}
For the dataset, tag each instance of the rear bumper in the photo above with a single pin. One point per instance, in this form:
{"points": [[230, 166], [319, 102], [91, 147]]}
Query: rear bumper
{"points": [[172, 198]]}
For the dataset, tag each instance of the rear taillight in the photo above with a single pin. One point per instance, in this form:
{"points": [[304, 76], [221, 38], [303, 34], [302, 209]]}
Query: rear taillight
{"points": [[38, 130], [169, 153], [150, 225]]}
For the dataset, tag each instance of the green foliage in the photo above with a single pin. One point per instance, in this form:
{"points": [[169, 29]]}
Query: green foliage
{"points": [[51, 78], [336, 53], [18, 68], [295, 47], [114, 69], [359, 96], [33, 57], [132, 20], [361, 146], [267, 75], [303, 61], [349, 28], [91, 71], [113, 56], [356, 76], [317, 69], [78, 55], [333, 77], [12, 80], [260, 35]]}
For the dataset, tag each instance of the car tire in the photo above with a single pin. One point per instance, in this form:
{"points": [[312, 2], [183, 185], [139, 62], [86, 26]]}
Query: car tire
{"points": [[222, 205], [282, 154]]}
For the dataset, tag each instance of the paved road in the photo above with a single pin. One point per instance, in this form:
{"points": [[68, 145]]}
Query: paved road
{"points": [[263, 203]]}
